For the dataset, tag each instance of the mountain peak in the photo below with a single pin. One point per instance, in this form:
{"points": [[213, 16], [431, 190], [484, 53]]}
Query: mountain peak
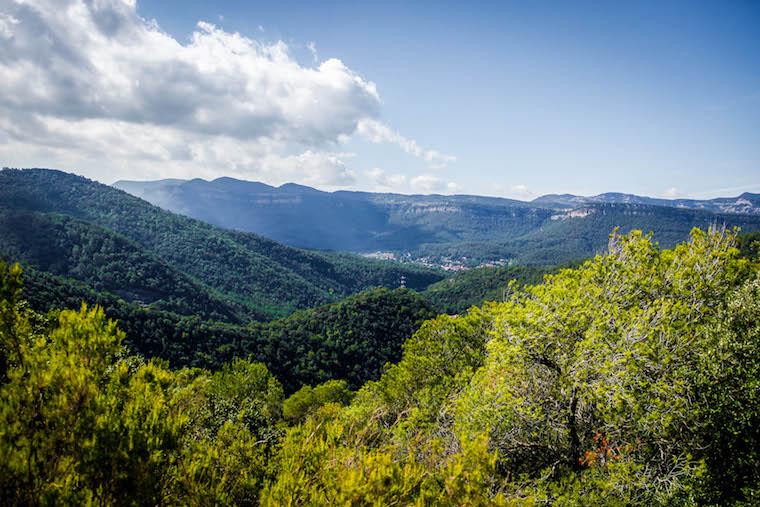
{"points": [[240, 186], [296, 188]]}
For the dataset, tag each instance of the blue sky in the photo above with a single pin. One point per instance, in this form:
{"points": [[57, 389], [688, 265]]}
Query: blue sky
{"points": [[505, 98]]}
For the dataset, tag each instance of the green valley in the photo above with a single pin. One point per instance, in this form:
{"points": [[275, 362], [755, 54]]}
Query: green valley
{"points": [[629, 379]]}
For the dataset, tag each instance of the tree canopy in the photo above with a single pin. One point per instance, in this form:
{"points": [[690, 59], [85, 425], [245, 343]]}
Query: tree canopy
{"points": [[629, 380]]}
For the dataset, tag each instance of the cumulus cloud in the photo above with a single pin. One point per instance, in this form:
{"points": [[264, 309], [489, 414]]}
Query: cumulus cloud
{"points": [[513, 191], [427, 183], [382, 181], [118, 148], [101, 60], [90, 82], [521, 191], [672, 193]]}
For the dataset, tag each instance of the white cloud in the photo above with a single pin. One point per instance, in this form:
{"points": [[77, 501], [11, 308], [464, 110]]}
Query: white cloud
{"points": [[384, 182], [101, 60], [6, 25], [164, 152], [516, 191], [521, 191], [313, 50], [672, 193], [378, 132], [428, 183], [90, 85]]}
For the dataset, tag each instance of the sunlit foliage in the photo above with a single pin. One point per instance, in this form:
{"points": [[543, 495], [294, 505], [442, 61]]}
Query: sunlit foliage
{"points": [[630, 380]]}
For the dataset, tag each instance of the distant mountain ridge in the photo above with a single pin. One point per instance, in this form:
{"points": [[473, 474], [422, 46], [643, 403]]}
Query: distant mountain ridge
{"points": [[469, 229], [746, 203]]}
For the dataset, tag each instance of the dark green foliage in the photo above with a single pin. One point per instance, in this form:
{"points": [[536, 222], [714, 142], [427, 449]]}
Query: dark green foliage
{"points": [[749, 245], [184, 291], [107, 262], [572, 238], [351, 339], [629, 380], [475, 286], [265, 277]]}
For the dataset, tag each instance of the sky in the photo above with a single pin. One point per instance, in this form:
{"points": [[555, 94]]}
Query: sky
{"points": [[513, 99]]}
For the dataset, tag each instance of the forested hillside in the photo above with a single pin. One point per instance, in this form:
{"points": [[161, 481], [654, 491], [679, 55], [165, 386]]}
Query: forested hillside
{"points": [[350, 340], [563, 239], [244, 271], [629, 380], [437, 228], [109, 262], [473, 287]]}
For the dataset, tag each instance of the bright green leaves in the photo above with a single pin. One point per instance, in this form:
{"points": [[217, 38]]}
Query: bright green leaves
{"points": [[613, 351], [231, 434], [307, 400], [52, 401], [414, 395], [82, 423], [247, 393], [606, 384], [632, 379], [138, 431], [15, 328]]}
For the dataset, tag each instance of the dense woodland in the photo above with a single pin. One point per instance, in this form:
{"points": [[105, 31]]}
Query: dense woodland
{"points": [[567, 239], [91, 222], [472, 287], [351, 339], [108, 262], [630, 379], [209, 366]]}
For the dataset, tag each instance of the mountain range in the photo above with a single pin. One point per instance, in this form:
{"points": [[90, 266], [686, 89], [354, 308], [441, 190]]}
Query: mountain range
{"points": [[456, 230], [746, 203]]}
